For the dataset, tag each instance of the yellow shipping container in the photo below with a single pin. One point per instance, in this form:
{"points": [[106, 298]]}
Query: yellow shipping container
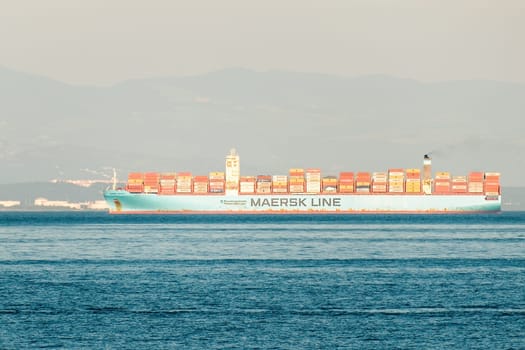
{"points": [[442, 175]]}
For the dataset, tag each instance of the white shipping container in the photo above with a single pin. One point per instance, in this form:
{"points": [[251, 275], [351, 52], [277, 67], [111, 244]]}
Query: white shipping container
{"points": [[280, 178], [379, 175], [459, 179]]}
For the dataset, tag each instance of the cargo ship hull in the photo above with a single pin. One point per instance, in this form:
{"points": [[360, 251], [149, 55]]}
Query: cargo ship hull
{"points": [[124, 202]]}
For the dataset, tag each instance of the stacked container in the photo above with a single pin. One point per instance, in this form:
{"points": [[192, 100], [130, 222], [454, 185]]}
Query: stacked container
{"points": [[396, 180], [168, 183], [329, 184], [135, 183], [379, 182], [346, 182], [442, 182], [459, 184], [413, 181], [151, 182], [200, 184], [475, 182], [217, 182], [313, 180], [492, 184], [247, 184], [296, 181], [279, 184], [264, 184], [362, 182], [184, 183]]}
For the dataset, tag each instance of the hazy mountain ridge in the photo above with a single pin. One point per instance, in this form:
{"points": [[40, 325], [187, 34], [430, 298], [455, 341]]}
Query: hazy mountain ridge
{"points": [[276, 120]]}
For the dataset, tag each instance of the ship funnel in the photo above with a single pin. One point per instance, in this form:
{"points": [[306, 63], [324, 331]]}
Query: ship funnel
{"points": [[427, 174]]}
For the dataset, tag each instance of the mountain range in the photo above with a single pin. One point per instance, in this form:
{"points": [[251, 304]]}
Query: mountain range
{"points": [[276, 120]]}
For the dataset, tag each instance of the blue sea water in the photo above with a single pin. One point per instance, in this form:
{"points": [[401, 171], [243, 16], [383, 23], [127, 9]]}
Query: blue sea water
{"points": [[91, 280]]}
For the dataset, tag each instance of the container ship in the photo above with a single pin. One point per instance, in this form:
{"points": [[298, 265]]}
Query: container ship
{"points": [[307, 191]]}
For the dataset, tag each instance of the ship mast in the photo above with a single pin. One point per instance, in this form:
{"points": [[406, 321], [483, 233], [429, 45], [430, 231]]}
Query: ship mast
{"points": [[114, 179]]}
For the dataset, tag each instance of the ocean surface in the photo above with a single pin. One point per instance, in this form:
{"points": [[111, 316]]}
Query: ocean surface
{"points": [[95, 281]]}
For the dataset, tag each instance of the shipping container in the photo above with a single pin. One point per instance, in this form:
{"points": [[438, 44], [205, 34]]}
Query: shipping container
{"points": [[135, 188], [492, 188], [458, 178], [296, 188], [280, 178], [396, 175], [396, 186], [476, 176], [313, 186], [475, 187], [329, 184], [363, 176], [247, 187], [264, 186], [492, 177], [459, 187], [379, 176], [442, 175], [379, 186], [346, 188], [280, 189], [216, 185], [442, 185], [362, 188], [264, 178], [296, 172], [346, 175], [413, 185], [216, 175]]}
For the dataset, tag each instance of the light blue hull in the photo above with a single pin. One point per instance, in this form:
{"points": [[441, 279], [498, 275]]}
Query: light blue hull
{"points": [[120, 201]]}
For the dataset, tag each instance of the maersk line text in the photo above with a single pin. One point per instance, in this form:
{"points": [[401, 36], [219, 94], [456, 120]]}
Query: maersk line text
{"points": [[296, 202]]}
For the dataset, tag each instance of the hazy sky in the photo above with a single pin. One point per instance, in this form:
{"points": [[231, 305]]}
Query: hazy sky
{"points": [[104, 41]]}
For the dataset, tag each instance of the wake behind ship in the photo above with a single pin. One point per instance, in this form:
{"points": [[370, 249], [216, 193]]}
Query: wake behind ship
{"points": [[306, 191]]}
